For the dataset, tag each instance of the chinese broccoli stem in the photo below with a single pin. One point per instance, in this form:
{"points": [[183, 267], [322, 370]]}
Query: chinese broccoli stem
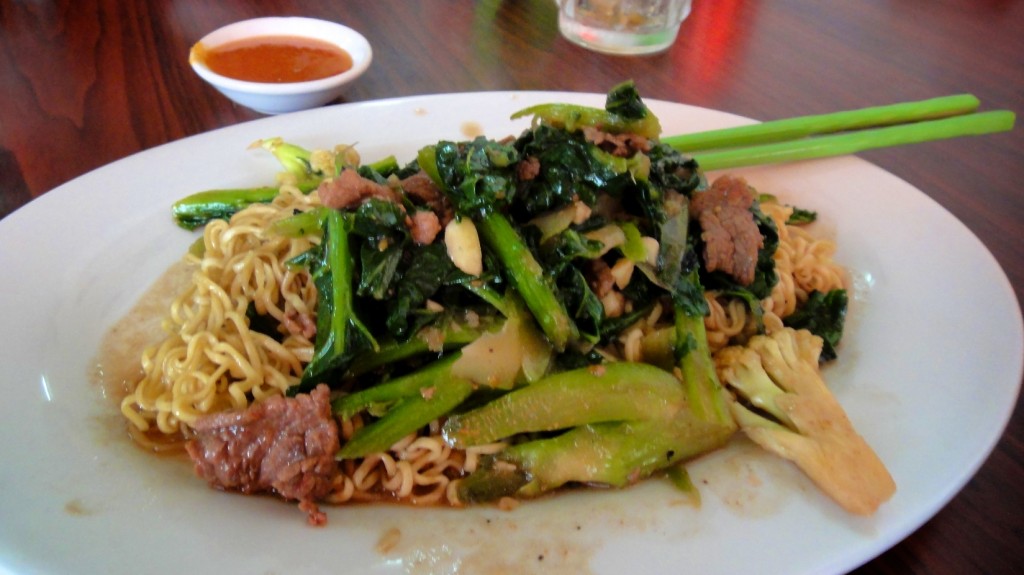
{"points": [[340, 335], [396, 389], [572, 117], [610, 453], [624, 111], [302, 224], [391, 352], [613, 453], [195, 210], [618, 391], [199, 208], [408, 415], [705, 394], [803, 126], [858, 141], [529, 279]]}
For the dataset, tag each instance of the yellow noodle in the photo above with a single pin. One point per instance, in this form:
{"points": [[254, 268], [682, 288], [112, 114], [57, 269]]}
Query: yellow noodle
{"points": [[803, 263], [211, 360], [727, 320]]}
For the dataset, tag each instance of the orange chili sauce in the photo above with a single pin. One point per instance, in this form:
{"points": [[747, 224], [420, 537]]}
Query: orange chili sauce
{"points": [[277, 59]]}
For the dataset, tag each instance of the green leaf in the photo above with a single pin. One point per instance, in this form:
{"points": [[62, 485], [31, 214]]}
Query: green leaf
{"points": [[824, 315]]}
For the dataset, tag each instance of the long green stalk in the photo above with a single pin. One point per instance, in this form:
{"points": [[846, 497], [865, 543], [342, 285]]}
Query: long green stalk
{"points": [[618, 391], [396, 389], [803, 126], [527, 275], [853, 142], [408, 415], [199, 208]]}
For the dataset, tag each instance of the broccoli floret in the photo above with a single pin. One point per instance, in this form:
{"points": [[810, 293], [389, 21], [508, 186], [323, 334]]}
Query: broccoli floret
{"points": [[784, 405]]}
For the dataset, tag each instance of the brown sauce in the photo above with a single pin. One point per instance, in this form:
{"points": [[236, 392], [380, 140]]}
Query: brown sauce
{"points": [[276, 59], [117, 365]]}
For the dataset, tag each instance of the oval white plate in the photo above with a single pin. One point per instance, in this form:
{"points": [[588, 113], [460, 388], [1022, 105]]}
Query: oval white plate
{"points": [[76, 496]]}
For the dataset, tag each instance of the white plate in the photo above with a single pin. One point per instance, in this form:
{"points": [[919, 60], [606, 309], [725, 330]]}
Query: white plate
{"points": [[76, 496]]}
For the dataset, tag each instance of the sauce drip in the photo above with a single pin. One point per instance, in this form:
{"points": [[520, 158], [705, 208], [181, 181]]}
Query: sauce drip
{"points": [[276, 59]]}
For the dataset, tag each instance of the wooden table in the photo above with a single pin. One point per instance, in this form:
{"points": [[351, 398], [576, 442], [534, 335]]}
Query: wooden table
{"points": [[87, 82]]}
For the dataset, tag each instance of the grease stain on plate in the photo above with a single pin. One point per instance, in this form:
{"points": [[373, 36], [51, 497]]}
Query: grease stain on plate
{"points": [[541, 547], [749, 481], [472, 129]]}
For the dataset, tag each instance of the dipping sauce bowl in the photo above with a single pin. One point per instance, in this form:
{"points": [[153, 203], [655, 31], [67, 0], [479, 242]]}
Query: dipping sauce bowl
{"points": [[281, 64]]}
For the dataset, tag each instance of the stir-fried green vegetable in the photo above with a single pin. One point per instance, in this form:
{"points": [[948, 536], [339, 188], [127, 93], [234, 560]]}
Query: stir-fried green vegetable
{"points": [[550, 246]]}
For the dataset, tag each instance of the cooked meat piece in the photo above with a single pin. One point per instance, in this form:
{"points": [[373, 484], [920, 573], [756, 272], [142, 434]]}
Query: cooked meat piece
{"points": [[600, 278], [730, 234], [624, 145], [528, 168], [350, 189], [424, 226], [422, 188], [282, 445]]}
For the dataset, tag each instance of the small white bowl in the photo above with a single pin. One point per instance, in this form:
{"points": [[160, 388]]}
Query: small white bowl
{"points": [[278, 98]]}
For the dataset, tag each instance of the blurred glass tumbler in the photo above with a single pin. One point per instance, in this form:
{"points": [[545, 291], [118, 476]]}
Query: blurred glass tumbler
{"points": [[622, 27]]}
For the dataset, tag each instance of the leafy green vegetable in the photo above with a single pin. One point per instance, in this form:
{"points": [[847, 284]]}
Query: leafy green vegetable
{"points": [[446, 332], [424, 271], [569, 169], [391, 392], [405, 404], [381, 223], [609, 452], [824, 315], [801, 217], [561, 250], [477, 176], [340, 335], [201, 207], [583, 305], [498, 328], [406, 416], [624, 112]]}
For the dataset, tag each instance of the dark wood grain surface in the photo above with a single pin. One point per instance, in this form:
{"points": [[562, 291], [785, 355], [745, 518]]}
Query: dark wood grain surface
{"points": [[86, 82]]}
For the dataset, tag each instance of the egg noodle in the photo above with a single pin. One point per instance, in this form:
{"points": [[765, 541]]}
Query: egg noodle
{"points": [[212, 361]]}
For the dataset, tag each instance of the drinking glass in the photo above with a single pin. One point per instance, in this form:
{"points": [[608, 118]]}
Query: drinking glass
{"points": [[624, 27]]}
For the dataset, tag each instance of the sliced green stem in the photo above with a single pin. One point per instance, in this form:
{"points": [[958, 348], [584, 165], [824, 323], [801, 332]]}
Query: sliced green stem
{"points": [[391, 352], [195, 210], [408, 415], [705, 394], [396, 389], [612, 392], [614, 453], [300, 225], [529, 279], [199, 208]]}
